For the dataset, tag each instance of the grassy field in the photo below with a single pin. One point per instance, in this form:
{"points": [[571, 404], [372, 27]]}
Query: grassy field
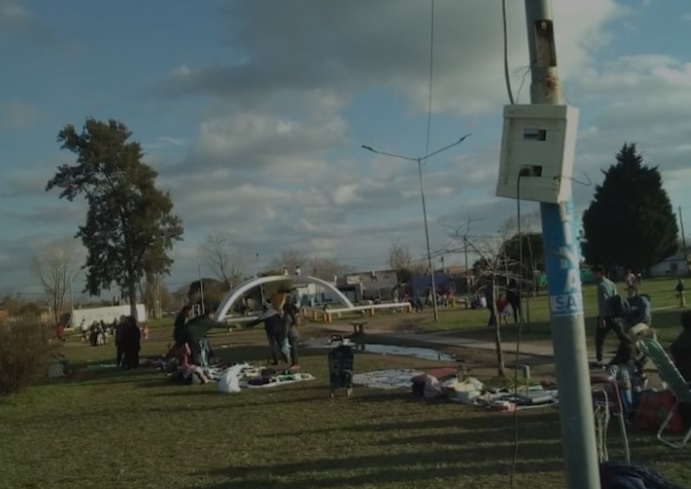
{"points": [[108, 429], [467, 322]]}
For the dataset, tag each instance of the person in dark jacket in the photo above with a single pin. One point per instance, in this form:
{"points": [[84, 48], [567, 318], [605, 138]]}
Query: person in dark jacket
{"points": [[119, 340], [181, 349], [513, 296], [273, 325], [491, 304], [196, 337], [132, 337], [681, 347], [291, 321]]}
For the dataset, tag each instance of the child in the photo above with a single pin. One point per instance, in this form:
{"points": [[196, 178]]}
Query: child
{"points": [[502, 309]]}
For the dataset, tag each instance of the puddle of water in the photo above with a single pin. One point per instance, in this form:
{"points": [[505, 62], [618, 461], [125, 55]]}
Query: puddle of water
{"points": [[408, 351]]}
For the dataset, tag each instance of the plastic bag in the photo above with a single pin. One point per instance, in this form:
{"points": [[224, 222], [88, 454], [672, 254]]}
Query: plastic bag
{"points": [[285, 348], [229, 382]]}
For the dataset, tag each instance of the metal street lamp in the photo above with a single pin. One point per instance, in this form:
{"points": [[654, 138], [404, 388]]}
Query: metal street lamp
{"points": [[420, 160]]}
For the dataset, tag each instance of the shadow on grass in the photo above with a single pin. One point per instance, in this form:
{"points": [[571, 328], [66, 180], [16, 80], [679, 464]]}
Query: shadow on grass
{"points": [[480, 422], [404, 468]]}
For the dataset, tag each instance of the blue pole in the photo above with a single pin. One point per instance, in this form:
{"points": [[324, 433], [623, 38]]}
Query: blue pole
{"points": [[562, 260]]}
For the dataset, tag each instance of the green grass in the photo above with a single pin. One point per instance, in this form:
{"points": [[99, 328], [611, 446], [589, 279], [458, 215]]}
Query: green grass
{"points": [[115, 430], [456, 320]]}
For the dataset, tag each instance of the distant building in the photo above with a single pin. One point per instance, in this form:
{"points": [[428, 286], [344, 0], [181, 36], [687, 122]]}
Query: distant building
{"points": [[677, 264], [358, 286], [311, 295]]}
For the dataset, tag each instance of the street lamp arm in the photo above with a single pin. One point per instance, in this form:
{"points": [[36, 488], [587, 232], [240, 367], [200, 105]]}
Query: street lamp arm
{"points": [[449, 146], [393, 155]]}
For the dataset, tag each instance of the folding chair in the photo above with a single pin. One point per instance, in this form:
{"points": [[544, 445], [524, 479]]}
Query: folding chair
{"points": [[679, 387], [605, 406]]}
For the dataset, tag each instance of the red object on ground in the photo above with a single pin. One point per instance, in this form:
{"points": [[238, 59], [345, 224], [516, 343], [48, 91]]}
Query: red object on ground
{"points": [[440, 373], [653, 409], [60, 331]]}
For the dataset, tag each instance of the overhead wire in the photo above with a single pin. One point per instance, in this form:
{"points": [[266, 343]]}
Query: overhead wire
{"points": [[509, 90], [430, 89], [507, 73]]}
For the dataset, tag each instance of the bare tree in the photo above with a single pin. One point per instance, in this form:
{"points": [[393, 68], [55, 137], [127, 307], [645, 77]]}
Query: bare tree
{"points": [[530, 223], [223, 258], [55, 267], [492, 273], [399, 256], [325, 268], [290, 259]]}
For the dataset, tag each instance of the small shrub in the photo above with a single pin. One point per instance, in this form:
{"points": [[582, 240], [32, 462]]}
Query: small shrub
{"points": [[25, 353]]}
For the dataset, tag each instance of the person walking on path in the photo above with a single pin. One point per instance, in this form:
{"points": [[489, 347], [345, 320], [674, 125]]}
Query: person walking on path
{"points": [[606, 320]]}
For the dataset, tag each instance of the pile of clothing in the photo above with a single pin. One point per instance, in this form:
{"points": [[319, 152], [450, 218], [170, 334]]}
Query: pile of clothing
{"points": [[194, 374]]}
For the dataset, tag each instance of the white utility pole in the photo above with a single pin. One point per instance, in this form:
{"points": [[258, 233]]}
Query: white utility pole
{"points": [[568, 330]]}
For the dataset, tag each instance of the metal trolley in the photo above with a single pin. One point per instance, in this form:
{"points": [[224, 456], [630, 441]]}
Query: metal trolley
{"points": [[341, 363]]}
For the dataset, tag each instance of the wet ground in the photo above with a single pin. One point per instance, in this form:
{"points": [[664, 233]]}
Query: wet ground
{"points": [[382, 349]]}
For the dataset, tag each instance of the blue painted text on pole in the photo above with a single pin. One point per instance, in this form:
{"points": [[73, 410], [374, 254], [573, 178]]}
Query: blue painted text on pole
{"points": [[562, 258]]}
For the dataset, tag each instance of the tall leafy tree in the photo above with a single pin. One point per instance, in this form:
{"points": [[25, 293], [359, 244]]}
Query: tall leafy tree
{"points": [[532, 256], [130, 225], [630, 221]]}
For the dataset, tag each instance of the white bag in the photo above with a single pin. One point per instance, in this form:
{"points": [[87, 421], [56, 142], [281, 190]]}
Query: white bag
{"points": [[229, 382]]}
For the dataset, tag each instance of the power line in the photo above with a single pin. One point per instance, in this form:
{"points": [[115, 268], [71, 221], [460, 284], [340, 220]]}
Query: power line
{"points": [[507, 74], [431, 78]]}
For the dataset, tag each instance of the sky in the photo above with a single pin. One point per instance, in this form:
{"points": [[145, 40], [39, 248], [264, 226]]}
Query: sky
{"points": [[254, 114]]}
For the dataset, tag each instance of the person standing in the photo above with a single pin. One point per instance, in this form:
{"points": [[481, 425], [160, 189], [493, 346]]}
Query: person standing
{"points": [[119, 341], [132, 337], [273, 326], [513, 296], [631, 283], [291, 321], [606, 321]]}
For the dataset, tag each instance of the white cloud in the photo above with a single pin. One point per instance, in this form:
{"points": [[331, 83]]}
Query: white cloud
{"points": [[18, 115], [16, 20], [268, 164], [349, 46]]}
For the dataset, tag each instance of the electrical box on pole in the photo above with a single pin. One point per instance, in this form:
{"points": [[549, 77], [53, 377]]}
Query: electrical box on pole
{"points": [[538, 143]]}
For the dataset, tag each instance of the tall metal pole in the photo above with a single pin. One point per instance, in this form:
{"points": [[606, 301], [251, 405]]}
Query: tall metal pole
{"points": [[563, 278], [683, 235], [429, 250]]}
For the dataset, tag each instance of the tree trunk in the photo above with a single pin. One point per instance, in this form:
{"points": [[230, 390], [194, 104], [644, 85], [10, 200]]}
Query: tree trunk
{"points": [[500, 352], [132, 295]]}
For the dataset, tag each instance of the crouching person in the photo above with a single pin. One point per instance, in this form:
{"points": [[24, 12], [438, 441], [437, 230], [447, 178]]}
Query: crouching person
{"points": [[628, 364]]}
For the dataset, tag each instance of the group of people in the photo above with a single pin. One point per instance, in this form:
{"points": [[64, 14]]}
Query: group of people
{"points": [[128, 338], [280, 316], [630, 318], [503, 305]]}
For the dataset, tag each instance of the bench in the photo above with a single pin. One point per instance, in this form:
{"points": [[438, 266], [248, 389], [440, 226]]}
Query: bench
{"points": [[358, 327]]}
